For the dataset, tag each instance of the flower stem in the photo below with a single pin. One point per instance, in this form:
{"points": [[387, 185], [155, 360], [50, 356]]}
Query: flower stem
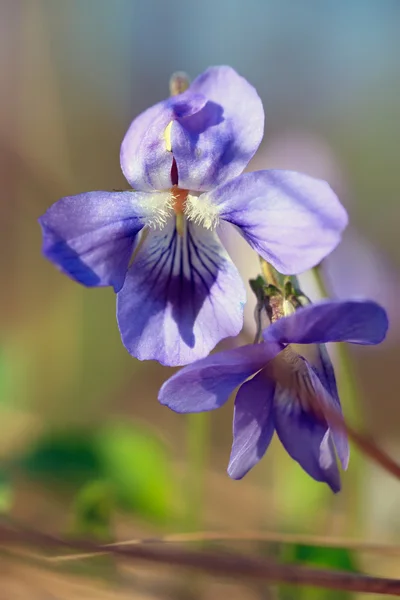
{"points": [[197, 443], [348, 391], [347, 382]]}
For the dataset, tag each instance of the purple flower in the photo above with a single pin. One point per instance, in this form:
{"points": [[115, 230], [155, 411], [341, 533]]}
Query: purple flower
{"points": [[181, 293], [280, 397]]}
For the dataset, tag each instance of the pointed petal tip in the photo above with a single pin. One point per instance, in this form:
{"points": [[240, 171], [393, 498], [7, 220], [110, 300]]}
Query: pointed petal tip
{"points": [[332, 479], [167, 397], [375, 318], [234, 473], [345, 462], [383, 321], [335, 487]]}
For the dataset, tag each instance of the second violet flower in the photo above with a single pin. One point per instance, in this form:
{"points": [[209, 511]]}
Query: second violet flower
{"points": [[292, 378], [184, 157]]}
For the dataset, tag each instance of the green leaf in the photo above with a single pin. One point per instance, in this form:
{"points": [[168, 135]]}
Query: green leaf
{"points": [[340, 559], [68, 458], [330, 558], [92, 512], [131, 459], [6, 493], [136, 462]]}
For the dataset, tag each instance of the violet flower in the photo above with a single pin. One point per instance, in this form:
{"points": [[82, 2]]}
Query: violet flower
{"points": [[182, 294], [280, 397]]}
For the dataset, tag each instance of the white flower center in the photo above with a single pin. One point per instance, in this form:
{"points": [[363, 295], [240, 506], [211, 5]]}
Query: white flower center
{"points": [[157, 208], [200, 210], [197, 208]]}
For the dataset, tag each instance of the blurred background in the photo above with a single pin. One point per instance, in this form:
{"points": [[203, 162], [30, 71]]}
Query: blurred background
{"points": [[85, 447]]}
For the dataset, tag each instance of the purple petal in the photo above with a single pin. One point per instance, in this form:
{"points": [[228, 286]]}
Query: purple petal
{"points": [[290, 219], [208, 383], [145, 158], [253, 425], [355, 321], [216, 144], [182, 295], [90, 237], [307, 440], [324, 371]]}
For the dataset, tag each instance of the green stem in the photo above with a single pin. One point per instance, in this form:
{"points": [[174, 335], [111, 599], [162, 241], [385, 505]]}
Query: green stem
{"points": [[349, 394], [347, 381], [197, 443]]}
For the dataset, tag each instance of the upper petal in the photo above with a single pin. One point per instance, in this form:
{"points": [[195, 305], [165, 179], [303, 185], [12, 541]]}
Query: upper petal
{"points": [[90, 237], [216, 143], [146, 158], [208, 383], [182, 295], [253, 424], [292, 220], [356, 321]]}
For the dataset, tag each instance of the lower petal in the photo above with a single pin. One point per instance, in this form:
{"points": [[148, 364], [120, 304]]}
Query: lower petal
{"points": [[253, 424], [326, 375], [207, 384], [90, 237], [322, 376], [182, 295], [306, 439]]}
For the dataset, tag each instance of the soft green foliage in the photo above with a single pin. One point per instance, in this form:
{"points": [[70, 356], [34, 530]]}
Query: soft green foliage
{"points": [[93, 509], [121, 461], [137, 463], [340, 559], [6, 493], [67, 458]]}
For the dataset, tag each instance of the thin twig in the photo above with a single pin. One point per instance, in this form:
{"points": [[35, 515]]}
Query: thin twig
{"points": [[251, 536], [364, 442], [222, 564]]}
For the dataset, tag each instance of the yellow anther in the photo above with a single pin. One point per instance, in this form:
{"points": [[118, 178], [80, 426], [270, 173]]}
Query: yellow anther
{"points": [[288, 308], [167, 137]]}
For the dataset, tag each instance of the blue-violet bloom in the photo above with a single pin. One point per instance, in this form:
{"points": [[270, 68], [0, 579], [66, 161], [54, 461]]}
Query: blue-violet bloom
{"points": [[178, 291], [280, 396]]}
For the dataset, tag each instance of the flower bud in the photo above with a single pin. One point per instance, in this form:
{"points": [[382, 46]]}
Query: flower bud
{"points": [[178, 83]]}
